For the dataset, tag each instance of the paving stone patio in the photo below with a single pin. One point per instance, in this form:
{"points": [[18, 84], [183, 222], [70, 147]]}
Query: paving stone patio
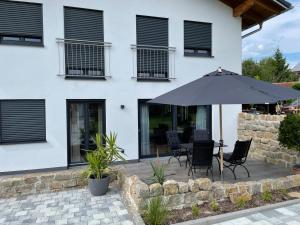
{"points": [[258, 169], [289, 215], [67, 207]]}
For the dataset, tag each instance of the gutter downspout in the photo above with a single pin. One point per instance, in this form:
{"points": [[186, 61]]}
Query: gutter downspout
{"points": [[261, 24]]}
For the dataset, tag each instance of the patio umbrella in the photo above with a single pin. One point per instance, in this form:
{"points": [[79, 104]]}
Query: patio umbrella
{"points": [[225, 87]]}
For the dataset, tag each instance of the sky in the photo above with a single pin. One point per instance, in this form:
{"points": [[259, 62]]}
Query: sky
{"points": [[281, 32]]}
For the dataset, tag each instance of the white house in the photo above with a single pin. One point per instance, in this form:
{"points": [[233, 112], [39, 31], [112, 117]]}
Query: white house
{"points": [[72, 68]]}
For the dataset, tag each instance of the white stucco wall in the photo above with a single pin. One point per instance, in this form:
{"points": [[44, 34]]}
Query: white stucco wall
{"points": [[31, 72]]}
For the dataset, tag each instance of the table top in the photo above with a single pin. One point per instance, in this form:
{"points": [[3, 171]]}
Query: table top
{"points": [[190, 145]]}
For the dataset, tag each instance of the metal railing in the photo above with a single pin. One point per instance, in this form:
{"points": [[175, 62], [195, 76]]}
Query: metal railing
{"points": [[83, 59], [153, 62]]}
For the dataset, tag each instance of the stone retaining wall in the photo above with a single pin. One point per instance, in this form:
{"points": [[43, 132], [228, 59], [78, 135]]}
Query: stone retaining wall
{"points": [[18, 185], [178, 195], [265, 146]]}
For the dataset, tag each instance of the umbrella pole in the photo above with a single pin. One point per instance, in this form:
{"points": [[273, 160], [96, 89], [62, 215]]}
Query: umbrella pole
{"points": [[221, 141]]}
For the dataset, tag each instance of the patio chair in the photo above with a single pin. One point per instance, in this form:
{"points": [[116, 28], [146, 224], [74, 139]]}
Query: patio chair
{"points": [[238, 157], [202, 157], [175, 146], [201, 135]]}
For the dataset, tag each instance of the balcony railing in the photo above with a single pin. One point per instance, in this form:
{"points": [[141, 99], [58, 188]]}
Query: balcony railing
{"points": [[153, 62], [84, 59]]}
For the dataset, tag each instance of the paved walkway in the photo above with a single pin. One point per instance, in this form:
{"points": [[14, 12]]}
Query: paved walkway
{"points": [[289, 215], [69, 207]]}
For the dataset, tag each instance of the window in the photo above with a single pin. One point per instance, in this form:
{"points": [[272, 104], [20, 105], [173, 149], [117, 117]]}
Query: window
{"points": [[22, 121], [152, 47], [21, 23], [84, 34], [197, 39]]}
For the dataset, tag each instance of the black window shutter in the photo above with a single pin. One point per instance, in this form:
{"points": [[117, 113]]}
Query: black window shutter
{"points": [[22, 121], [84, 25], [152, 31], [197, 35], [152, 60], [21, 19]]}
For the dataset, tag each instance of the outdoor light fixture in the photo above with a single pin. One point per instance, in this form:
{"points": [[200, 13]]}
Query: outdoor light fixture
{"points": [[122, 106]]}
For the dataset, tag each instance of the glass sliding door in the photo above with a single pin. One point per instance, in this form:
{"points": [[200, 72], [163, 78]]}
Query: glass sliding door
{"points": [[85, 120], [155, 120]]}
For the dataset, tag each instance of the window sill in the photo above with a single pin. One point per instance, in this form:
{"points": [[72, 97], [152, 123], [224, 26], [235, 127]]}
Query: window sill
{"points": [[22, 44], [198, 55], [23, 142], [153, 79], [79, 77]]}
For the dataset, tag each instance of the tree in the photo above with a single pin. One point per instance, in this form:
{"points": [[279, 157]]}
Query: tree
{"points": [[271, 69]]}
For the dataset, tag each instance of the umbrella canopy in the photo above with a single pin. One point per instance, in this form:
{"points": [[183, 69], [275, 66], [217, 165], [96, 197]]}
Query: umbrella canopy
{"points": [[225, 87]]}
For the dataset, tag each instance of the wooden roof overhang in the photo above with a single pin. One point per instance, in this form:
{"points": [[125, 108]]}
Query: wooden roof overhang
{"points": [[255, 12]]}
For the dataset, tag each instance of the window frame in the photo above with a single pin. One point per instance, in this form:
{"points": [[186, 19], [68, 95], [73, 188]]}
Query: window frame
{"points": [[209, 53], [23, 42], [23, 142]]}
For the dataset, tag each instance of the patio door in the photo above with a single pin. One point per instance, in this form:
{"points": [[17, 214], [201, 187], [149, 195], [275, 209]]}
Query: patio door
{"points": [[85, 120], [155, 120]]}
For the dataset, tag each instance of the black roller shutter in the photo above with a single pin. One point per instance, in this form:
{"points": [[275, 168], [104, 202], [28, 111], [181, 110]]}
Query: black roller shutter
{"points": [[22, 121], [153, 42], [197, 36], [21, 19], [84, 58]]}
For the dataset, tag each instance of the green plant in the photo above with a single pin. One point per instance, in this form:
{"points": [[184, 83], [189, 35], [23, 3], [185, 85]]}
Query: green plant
{"points": [[266, 196], [195, 211], [214, 205], [156, 212], [296, 86], [158, 173], [289, 132], [241, 202], [100, 159]]}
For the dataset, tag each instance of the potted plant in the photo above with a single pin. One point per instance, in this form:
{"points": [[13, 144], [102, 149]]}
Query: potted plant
{"points": [[289, 135], [99, 161]]}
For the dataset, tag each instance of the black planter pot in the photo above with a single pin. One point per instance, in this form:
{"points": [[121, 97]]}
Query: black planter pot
{"points": [[98, 187]]}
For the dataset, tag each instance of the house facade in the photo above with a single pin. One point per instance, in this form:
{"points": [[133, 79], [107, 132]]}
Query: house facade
{"points": [[296, 70], [74, 68]]}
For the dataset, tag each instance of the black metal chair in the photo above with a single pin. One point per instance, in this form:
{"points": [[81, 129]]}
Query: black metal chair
{"points": [[201, 135], [175, 146], [202, 157], [238, 157]]}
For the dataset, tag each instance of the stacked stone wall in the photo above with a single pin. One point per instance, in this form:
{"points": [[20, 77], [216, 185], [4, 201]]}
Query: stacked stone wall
{"points": [[264, 129]]}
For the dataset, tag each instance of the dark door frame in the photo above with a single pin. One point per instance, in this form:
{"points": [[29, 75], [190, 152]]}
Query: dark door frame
{"points": [[174, 125], [86, 102]]}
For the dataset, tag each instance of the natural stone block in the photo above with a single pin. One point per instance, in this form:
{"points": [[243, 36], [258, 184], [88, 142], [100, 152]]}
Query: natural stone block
{"points": [[189, 198], [30, 180], [155, 189], [63, 176], [204, 184], [203, 195], [141, 190], [266, 185], [230, 188], [69, 183], [218, 190], [55, 186], [235, 197], [170, 187], [183, 187], [174, 201], [193, 187]]}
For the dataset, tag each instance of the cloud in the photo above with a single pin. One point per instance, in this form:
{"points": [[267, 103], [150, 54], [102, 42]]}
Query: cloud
{"points": [[281, 32]]}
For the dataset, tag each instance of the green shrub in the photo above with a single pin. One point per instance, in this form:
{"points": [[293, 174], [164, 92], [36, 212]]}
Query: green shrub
{"points": [[266, 196], [195, 211], [296, 86], [158, 173], [214, 205], [156, 213], [289, 132]]}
